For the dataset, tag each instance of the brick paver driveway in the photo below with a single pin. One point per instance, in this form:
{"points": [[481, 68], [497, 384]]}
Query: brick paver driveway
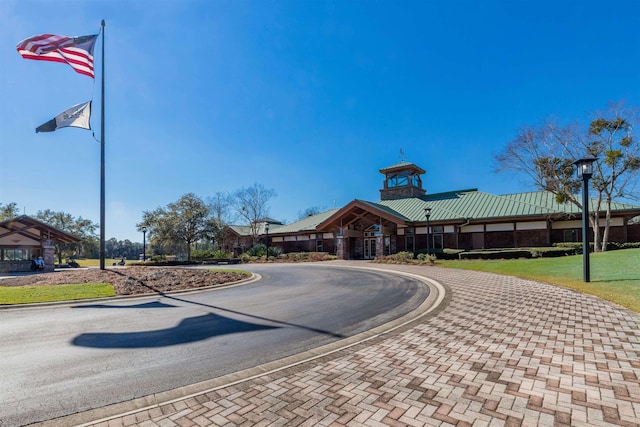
{"points": [[499, 351]]}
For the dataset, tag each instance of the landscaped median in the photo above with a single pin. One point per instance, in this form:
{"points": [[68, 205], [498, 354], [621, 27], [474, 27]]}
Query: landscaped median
{"points": [[95, 283]]}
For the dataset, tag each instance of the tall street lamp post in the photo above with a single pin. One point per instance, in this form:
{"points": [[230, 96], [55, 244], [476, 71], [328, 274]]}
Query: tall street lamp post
{"points": [[266, 229], [144, 244], [427, 213], [584, 168]]}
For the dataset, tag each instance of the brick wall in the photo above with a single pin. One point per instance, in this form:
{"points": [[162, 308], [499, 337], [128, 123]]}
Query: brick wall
{"points": [[633, 233]]}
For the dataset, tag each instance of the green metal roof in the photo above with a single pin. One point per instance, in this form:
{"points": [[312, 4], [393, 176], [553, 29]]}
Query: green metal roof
{"points": [[383, 207], [306, 224], [245, 230], [473, 204], [462, 205], [548, 199], [242, 230], [453, 206]]}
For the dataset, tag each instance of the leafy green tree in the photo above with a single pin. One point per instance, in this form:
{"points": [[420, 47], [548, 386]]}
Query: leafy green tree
{"points": [[185, 221], [611, 140], [115, 248], [546, 152], [80, 227], [9, 211]]}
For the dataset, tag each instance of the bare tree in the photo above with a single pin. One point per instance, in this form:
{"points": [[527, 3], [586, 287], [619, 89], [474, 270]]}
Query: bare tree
{"points": [[252, 204], [546, 152], [222, 214], [313, 210]]}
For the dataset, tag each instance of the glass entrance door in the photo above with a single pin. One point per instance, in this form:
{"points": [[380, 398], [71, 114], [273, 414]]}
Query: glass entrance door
{"points": [[369, 248]]}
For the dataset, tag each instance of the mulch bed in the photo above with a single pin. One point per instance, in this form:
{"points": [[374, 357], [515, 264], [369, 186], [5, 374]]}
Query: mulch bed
{"points": [[131, 280]]}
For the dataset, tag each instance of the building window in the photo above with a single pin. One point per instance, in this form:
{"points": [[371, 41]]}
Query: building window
{"points": [[410, 244], [438, 241], [570, 236], [319, 247], [437, 229], [15, 254], [402, 179], [372, 231]]}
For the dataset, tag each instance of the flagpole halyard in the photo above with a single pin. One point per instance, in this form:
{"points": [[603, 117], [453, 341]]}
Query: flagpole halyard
{"points": [[102, 201]]}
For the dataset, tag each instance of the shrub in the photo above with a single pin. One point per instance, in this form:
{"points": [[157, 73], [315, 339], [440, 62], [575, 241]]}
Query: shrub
{"points": [[307, 256], [275, 251], [202, 254], [257, 250], [497, 254], [630, 245], [427, 258], [447, 253], [550, 252], [245, 257], [402, 256], [220, 254]]}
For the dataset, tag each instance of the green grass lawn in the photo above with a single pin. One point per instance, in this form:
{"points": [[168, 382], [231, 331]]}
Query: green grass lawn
{"points": [[90, 262], [615, 275], [46, 293]]}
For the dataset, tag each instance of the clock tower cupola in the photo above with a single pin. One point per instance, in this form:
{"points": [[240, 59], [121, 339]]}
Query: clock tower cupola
{"points": [[402, 181]]}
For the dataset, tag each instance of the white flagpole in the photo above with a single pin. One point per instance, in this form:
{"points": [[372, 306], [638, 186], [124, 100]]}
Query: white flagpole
{"points": [[102, 207]]}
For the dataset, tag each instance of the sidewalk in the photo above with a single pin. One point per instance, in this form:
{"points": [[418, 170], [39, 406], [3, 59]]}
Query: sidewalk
{"points": [[499, 351]]}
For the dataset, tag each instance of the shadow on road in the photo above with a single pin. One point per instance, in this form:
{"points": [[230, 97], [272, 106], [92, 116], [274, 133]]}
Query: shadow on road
{"points": [[189, 330]]}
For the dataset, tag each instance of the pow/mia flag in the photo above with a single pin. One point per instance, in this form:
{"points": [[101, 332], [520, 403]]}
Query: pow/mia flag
{"points": [[77, 116]]}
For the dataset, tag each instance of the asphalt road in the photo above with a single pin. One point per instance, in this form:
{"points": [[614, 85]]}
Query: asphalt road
{"points": [[64, 359]]}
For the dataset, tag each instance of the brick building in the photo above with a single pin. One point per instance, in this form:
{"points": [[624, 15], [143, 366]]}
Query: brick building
{"points": [[23, 238], [464, 219]]}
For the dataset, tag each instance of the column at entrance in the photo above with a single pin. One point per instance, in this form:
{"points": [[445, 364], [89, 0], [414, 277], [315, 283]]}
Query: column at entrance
{"points": [[49, 256], [342, 247]]}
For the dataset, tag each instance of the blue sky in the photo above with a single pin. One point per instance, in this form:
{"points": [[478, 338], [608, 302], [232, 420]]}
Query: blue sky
{"points": [[308, 98]]}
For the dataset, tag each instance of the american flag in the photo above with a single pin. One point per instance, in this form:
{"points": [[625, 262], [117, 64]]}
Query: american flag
{"points": [[75, 51]]}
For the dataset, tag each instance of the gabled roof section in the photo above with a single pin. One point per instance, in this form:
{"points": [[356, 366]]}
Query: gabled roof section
{"points": [[247, 230], [276, 227], [358, 209], [31, 228], [240, 230], [309, 223], [386, 209]]}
